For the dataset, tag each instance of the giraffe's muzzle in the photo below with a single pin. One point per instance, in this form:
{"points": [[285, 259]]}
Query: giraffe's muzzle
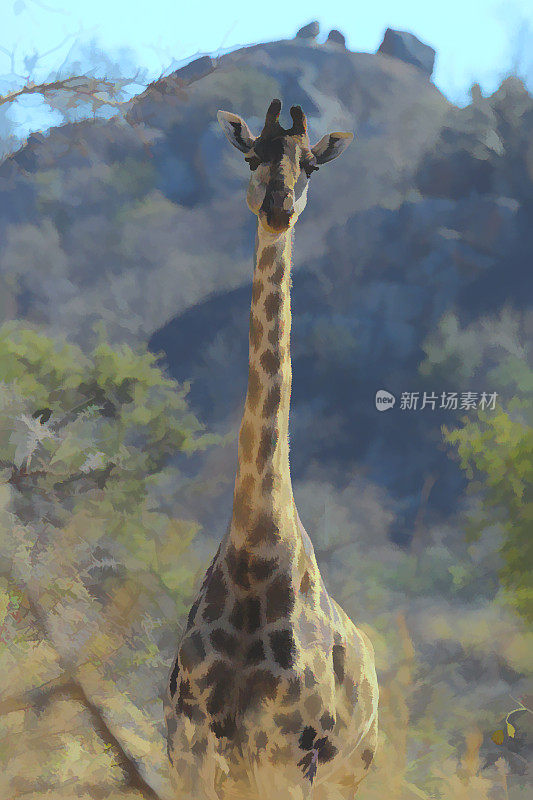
{"points": [[277, 210]]}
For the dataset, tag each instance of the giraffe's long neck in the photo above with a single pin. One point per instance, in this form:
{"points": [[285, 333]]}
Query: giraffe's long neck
{"points": [[263, 510]]}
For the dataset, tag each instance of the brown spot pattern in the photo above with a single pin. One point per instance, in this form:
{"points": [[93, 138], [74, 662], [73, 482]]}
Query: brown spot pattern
{"points": [[215, 596], [313, 705], [272, 401], [245, 569], [219, 694], [279, 598], [351, 690], [218, 672], [242, 508], [279, 273], [224, 729], [305, 583], [294, 689], [309, 678], [289, 723], [326, 750], [256, 331], [307, 737], [339, 654], [237, 617], [259, 685], [275, 334], [281, 755], [283, 648], [246, 440], [262, 568], [270, 362], [268, 481], [192, 613], [273, 303], [254, 387], [327, 721], [193, 712], [246, 614], [253, 614], [266, 259], [224, 642], [256, 653], [267, 444], [185, 690], [264, 530], [238, 566]]}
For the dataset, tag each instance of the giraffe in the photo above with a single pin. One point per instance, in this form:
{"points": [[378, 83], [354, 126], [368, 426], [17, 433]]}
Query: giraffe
{"points": [[273, 692]]}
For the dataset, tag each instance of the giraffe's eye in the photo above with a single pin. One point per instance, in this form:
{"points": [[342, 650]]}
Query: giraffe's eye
{"points": [[253, 161]]}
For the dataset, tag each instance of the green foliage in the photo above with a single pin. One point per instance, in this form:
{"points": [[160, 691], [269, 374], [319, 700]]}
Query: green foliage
{"points": [[494, 447], [120, 399], [88, 557], [88, 434], [496, 452]]}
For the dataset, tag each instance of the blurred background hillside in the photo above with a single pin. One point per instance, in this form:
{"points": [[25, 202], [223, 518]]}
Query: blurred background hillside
{"points": [[125, 282]]}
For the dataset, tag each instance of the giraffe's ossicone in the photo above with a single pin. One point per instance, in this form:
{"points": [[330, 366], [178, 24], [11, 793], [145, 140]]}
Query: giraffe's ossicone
{"points": [[273, 693]]}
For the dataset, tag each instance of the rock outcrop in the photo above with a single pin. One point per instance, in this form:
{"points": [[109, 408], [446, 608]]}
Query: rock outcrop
{"points": [[196, 69], [336, 37], [406, 47], [309, 31]]}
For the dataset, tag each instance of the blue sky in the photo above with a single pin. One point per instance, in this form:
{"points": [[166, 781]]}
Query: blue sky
{"points": [[476, 40]]}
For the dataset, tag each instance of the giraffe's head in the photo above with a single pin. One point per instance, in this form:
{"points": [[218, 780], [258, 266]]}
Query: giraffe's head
{"points": [[282, 161]]}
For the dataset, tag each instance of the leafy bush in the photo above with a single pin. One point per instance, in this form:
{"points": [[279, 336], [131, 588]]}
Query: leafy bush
{"points": [[92, 572]]}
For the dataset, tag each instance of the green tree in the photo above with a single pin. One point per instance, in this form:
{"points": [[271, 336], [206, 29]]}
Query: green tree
{"points": [[496, 452], [93, 570]]}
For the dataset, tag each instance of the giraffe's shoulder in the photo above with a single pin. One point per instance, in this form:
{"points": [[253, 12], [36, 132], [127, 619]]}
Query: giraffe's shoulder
{"points": [[357, 644], [306, 540]]}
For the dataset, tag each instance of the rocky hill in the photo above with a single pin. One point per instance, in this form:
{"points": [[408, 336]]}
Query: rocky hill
{"points": [[411, 267]]}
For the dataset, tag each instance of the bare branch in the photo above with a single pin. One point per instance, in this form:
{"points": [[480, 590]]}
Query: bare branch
{"points": [[70, 684], [79, 85]]}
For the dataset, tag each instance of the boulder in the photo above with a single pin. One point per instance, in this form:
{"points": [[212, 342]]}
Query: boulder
{"points": [[475, 93], [196, 69], [309, 31], [406, 47], [336, 37]]}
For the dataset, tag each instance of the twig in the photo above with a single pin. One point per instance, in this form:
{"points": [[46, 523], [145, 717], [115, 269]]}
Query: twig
{"points": [[520, 703], [63, 84]]}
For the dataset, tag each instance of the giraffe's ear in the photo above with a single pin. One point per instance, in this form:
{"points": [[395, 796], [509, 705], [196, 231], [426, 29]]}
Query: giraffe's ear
{"points": [[330, 146], [237, 131]]}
